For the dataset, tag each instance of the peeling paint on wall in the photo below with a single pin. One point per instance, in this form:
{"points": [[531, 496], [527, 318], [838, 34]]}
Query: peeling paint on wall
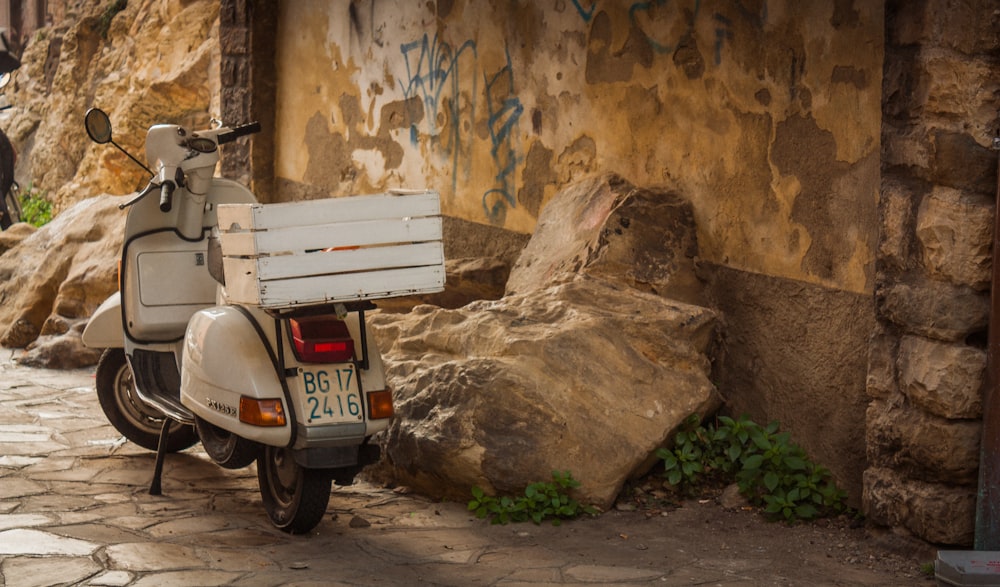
{"points": [[498, 105]]}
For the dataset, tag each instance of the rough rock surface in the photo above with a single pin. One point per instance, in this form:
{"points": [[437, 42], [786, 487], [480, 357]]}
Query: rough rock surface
{"points": [[581, 372], [588, 376], [467, 279], [55, 278], [155, 61], [606, 227]]}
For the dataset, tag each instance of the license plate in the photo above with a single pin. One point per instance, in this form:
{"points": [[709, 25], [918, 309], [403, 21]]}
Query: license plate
{"points": [[331, 394]]}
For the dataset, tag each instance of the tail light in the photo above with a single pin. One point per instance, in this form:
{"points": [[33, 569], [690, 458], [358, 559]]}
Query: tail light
{"points": [[380, 404], [321, 339], [261, 412]]}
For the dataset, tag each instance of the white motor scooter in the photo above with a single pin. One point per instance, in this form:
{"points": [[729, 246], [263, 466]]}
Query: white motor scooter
{"points": [[275, 366]]}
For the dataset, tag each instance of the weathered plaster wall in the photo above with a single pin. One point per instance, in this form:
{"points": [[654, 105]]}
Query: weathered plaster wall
{"points": [[764, 113]]}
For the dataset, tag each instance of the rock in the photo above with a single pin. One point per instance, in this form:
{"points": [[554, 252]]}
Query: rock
{"points": [[155, 64], [467, 280], [587, 376], [934, 309], [578, 367], [937, 512], [57, 276], [956, 234], [60, 351], [922, 446], [943, 378], [359, 522], [732, 499], [896, 211], [605, 226], [883, 348], [13, 236]]}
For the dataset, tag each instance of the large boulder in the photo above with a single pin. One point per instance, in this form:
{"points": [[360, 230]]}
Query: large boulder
{"points": [[55, 277], [578, 367], [588, 376]]}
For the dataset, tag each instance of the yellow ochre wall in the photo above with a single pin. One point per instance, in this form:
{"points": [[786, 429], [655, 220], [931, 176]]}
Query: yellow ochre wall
{"points": [[765, 114]]}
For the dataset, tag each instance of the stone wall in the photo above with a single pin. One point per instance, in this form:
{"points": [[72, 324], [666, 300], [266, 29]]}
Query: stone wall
{"points": [[927, 356]]}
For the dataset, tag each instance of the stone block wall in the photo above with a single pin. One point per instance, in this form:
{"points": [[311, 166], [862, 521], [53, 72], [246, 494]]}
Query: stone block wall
{"points": [[927, 355]]}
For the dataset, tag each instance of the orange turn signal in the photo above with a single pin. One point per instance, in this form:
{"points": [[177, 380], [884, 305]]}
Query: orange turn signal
{"points": [[261, 412], [380, 404]]}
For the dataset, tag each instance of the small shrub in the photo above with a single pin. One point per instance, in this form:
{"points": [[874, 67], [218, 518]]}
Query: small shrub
{"points": [[541, 501], [771, 471], [35, 209]]}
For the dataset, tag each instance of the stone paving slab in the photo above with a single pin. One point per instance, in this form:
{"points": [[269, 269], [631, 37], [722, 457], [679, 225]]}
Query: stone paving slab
{"points": [[74, 510]]}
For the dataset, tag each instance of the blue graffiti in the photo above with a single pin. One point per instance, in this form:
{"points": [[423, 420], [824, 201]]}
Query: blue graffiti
{"points": [[585, 14], [504, 109], [432, 67], [722, 34]]}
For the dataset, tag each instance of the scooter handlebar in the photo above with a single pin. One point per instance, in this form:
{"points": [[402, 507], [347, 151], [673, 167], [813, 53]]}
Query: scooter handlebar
{"points": [[166, 195], [239, 131]]}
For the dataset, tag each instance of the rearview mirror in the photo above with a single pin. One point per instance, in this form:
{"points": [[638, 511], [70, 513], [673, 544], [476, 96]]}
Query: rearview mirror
{"points": [[98, 126]]}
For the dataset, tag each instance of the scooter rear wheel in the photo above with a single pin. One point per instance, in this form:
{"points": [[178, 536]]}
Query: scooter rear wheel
{"points": [[135, 419], [295, 497]]}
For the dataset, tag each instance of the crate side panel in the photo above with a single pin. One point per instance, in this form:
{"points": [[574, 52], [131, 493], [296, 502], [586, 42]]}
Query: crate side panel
{"points": [[239, 215], [242, 284]]}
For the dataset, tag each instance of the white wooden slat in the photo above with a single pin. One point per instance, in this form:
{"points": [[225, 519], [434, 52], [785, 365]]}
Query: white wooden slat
{"points": [[366, 259], [239, 244], [347, 234], [327, 211], [348, 286]]}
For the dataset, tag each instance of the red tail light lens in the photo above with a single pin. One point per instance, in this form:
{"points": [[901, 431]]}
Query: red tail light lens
{"points": [[321, 339]]}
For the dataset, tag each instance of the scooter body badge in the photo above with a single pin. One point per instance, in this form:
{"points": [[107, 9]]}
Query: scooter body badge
{"points": [[221, 407]]}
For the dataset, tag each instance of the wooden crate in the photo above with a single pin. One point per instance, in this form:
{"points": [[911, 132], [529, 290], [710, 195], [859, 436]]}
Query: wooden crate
{"points": [[333, 250]]}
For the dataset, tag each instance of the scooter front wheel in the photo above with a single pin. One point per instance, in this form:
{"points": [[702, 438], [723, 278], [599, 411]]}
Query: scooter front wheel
{"points": [[295, 497], [226, 449], [134, 418]]}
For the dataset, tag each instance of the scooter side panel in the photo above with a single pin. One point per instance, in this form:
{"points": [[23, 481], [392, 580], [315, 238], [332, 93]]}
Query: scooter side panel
{"points": [[224, 358], [104, 329]]}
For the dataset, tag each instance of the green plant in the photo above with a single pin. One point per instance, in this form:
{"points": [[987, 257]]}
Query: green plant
{"points": [[771, 471], [35, 209], [541, 501], [928, 569]]}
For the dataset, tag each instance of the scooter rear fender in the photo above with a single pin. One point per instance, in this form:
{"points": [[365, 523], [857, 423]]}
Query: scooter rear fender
{"points": [[225, 358], [104, 330]]}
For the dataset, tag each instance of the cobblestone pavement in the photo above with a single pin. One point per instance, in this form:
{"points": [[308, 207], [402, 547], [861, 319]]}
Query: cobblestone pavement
{"points": [[74, 509]]}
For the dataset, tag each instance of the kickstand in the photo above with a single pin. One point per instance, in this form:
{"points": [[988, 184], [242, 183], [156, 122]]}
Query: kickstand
{"points": [[161, 451]]}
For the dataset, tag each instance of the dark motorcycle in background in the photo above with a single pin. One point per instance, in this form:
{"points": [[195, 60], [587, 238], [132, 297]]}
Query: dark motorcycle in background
{"points": [[10, 207]]}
